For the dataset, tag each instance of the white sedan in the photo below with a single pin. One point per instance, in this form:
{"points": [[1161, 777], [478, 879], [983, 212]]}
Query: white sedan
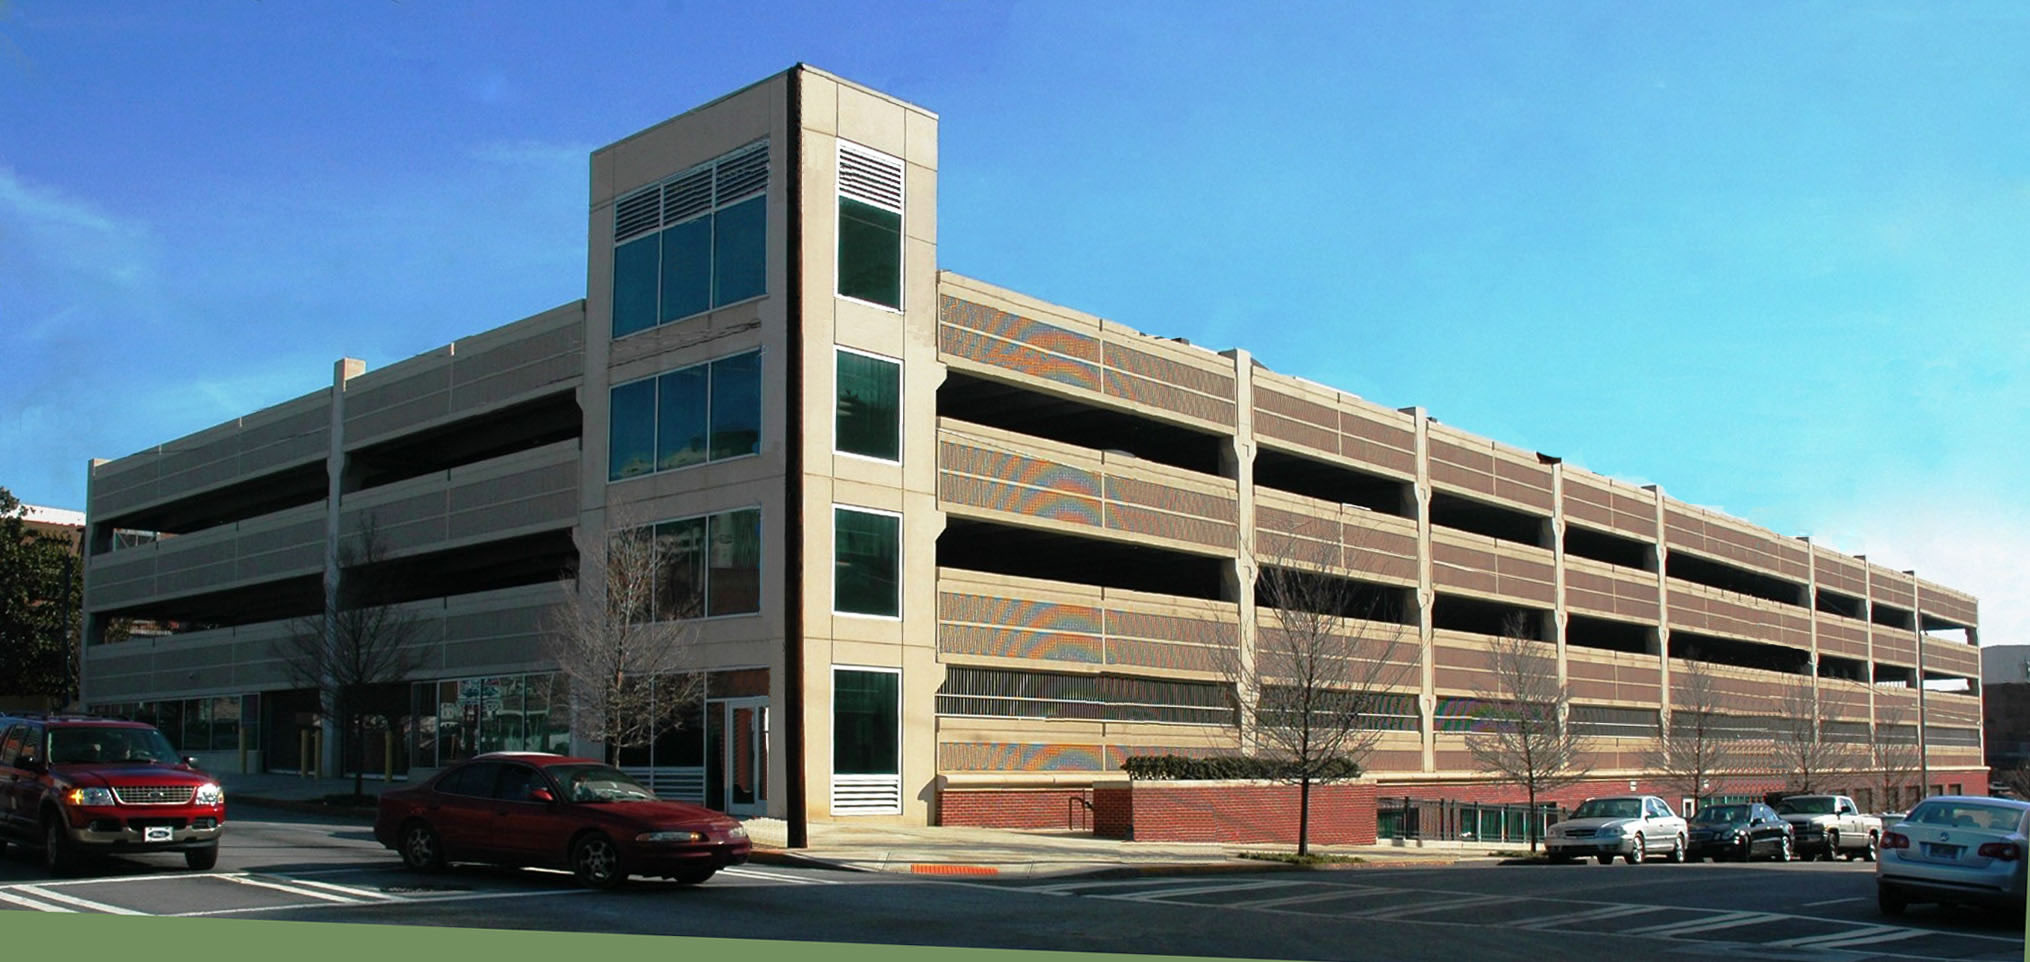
{"points": [[1631, 826], [1955, 850]]}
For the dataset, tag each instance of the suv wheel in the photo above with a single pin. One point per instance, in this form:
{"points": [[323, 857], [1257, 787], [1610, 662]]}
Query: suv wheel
{"points": [[57, 857], [596, 862], [202, 859], [1635, 853], [1833, 845]]}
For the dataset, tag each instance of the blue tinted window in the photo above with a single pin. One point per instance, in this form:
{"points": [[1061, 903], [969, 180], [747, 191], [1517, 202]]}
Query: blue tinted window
{"points": [[736, 406], [687, 269], [631, 438], [634, 285], [680, 431], [740, 252]]}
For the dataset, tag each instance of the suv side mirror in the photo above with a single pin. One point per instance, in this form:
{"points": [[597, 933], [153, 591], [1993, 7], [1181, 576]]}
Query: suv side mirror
{"points": [[30, 763], [190, 761]]}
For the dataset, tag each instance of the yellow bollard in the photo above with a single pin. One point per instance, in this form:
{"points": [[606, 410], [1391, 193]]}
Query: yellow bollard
{"points": [[303, 754]]}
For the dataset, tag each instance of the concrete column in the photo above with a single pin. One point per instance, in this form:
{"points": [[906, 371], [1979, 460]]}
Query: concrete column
{"points": [[1427, 699], [1559, 614], [1917, 634], [1663, 609], [1811, 610], [1237, 461], [344, 369]]}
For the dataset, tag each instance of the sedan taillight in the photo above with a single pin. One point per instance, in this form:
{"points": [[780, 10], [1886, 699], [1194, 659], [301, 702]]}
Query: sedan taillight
{"points": [[2006, 851], [1895, 840]]}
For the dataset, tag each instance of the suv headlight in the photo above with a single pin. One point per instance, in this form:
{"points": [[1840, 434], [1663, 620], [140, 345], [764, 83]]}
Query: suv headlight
{"points": [[89, 796], [209, 793]]}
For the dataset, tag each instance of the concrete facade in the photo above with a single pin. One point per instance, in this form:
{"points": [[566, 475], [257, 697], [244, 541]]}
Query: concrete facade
{"points": [[1082, 513]]}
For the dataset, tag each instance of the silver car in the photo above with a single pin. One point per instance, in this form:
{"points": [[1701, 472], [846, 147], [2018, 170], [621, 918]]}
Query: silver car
{"points": [[1955, 849], [1631, 826]]}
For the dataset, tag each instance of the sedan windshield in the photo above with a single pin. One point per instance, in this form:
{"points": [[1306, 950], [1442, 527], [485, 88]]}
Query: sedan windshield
{"points": [[91, 745], [1722, 815], [1609, 808], [599, 783]]}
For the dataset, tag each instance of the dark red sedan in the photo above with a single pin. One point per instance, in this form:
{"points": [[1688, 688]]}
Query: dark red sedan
{"points": [[527, 808]]}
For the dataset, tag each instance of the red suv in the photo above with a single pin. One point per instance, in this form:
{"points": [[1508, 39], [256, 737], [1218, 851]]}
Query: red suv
{"points": [[528, 808], [76, 786]]}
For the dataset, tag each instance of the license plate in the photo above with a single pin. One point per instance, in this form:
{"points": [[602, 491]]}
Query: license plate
{"points": [[155, 833], [1936, 850]]}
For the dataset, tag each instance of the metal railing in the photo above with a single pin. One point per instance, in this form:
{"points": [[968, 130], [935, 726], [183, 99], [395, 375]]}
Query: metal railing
{"points": [[1443, 819]]}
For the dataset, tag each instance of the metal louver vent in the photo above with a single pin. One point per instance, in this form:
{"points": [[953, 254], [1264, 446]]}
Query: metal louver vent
{"points": [[636, 213], [743, 174], [870, 177], [687, 196]]}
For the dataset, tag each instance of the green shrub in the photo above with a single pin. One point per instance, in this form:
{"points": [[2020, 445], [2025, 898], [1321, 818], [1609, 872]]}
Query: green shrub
{"points": [[1182, 768]]}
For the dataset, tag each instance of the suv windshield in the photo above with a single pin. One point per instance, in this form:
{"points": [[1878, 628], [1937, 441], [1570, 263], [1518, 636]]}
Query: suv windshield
{"points": [[91, 744], [1722, 814], [1609, 808], [1805, 806], [599, 783]]}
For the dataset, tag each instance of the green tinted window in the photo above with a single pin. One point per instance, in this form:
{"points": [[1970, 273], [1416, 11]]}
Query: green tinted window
{"points": [[680, 562], [736, 405], [739, 251], [631, 432], [865, 711], [687, 269], [869, 421], [868, 555], [634, 285], [870, 253], [680, 413], [733, 562]]}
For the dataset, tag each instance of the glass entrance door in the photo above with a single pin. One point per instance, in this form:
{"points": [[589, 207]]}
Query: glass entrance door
{"points": [[736, 746]]}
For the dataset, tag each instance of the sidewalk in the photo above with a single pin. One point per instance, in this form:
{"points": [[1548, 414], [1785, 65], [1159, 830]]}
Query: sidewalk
{"points": [[930, 850]]}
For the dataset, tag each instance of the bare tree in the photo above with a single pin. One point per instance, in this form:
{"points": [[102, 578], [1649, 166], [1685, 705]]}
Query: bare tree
{"points": [[620, 642], [1318, 693], [1697, 746], [1523, 733], [1804, 754], [361, 642], [1896, 760], [2016, 780]]}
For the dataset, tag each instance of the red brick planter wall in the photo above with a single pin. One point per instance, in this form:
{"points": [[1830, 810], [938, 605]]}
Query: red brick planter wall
{"points": [[1232, 811], [1014, 808]]}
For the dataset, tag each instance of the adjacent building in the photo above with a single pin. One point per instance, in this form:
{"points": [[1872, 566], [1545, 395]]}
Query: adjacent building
{"points": [[951, 552]]}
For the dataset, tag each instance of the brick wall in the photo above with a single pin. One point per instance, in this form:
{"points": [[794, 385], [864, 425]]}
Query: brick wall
{"points": [[1014, 808], [1235, 812]]}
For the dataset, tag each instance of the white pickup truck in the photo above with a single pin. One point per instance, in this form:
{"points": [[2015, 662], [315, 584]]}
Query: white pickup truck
{"points": [[1829, 825]]}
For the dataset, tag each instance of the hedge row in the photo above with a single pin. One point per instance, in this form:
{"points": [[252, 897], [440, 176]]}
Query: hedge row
{"points": [[1181, 768]]}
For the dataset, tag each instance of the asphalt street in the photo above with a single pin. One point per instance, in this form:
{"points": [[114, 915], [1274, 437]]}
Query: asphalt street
{"points": [[280, 866]]}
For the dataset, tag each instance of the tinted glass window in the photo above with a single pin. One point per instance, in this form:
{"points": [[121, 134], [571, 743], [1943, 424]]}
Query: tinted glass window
{"points": [[870, 398], [736, 405], [634, 285], [740, 251], [687, 269], [476, 780], [680, 412], [631, 437], [868, 550], [10, 747], [515, 781], [864, 713], [680, 569], [733, 563], [870, 253]]}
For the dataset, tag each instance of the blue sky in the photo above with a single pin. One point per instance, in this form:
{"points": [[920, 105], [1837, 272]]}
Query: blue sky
{"points": [[1773, 256]]}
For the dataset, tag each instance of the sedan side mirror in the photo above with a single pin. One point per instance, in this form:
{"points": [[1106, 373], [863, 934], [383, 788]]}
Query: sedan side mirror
{"points": [[541, 795]]}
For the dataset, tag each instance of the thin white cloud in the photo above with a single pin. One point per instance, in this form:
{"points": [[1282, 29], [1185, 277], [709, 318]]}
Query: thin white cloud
{"points": [[1976, 546]]}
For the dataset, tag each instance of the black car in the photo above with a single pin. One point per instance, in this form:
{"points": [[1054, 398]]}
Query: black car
{"points": [[1741, 832]]}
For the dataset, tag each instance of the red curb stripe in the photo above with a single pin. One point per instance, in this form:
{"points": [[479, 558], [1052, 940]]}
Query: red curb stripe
{"points": [[954, 870]]}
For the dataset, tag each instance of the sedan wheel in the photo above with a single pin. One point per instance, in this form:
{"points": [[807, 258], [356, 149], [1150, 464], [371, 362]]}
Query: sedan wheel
{"points": [[1833, 846], [421, 851], [596, 862], [1678, 850], [1783, 849], [1604, 859], [1636, 854]]}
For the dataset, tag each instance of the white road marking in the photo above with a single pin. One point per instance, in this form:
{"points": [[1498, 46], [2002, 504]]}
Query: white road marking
{"points": [[1725, 920], [1167, 893], [291, 889], [1398, 911], [1895, 936], [1590, 915], [771, 876], [43, 893], [1344, 891], [1068, 888], [6, 896], [344, 889], [1810, 905]]}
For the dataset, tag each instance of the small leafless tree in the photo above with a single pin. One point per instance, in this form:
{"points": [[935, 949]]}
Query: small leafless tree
{"points": [[1697, 747], [1319, 691], [1523, 733], [2016, 780], [361, 642], [1897, 762], [1804, 754], [620, 642]]}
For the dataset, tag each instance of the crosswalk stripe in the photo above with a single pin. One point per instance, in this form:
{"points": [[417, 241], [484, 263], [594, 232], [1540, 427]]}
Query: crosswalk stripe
{"points": [[1725, 920], [1863, 936], [345, 889], [1590, 915], [11, 898], [291, 889], [771, 876], [43, 893], [1168, 893], [1344, 891], [1398, 911]]}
